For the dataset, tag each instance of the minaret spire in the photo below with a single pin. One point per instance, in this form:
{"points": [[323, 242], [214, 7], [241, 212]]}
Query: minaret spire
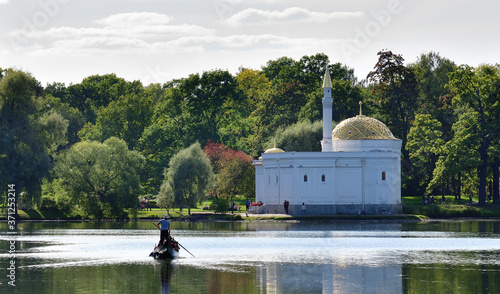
{"points": [[326, 143], [327, 81]]}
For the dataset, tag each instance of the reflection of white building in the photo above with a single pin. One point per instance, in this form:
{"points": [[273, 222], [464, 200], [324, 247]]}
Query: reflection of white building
{"points": [[329, 278], [358, 170]]}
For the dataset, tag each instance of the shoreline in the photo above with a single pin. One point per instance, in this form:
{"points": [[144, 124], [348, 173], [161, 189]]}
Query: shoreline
{"points": [[241, 217]]}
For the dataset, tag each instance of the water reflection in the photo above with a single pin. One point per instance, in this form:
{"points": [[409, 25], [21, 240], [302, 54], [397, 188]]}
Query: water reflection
{"points": [[165, 270], [338, 257], [328, 278]]}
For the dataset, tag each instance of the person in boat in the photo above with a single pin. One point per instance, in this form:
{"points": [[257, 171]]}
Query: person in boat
{"points": [[164, 226]]}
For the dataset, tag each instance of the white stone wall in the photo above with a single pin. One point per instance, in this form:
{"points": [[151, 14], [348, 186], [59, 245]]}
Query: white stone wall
{"points": [[353, 180]]}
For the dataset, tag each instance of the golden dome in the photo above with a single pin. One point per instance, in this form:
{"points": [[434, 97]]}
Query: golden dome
{"points": [[274, 150], [362, 128]]}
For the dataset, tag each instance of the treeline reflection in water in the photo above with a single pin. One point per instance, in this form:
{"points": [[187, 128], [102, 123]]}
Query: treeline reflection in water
{"points": [[337, 257]]}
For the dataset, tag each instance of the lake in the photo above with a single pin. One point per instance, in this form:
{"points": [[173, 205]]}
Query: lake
{"points": [[255, 257]]}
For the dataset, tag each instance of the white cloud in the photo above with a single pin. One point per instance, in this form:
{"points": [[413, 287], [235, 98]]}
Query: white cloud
{"points": [[4, 2], [293, 14], [265, 42], [135, 18], [94, 45], [118, 31]]}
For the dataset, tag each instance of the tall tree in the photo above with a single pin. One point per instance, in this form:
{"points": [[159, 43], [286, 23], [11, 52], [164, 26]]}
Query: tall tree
{"points": [[187, 179], [424, 145], [24, 158], [394, 99], [203, 101], [158, 143], [395, 92], [476, 95], [431, 71], [459, 155]]}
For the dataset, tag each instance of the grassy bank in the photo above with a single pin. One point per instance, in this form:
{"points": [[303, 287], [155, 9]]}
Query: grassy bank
{"points": [[199, 214], [453, 208]]}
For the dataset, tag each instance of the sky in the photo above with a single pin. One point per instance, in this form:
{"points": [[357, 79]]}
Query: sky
{"points": [[155, 41]]}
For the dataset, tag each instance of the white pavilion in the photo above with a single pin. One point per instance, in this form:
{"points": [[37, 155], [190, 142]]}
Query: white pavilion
{"points": [[358, 170]]}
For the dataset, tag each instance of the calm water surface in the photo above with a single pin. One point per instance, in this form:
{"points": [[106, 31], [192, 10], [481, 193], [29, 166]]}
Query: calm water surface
{"points": [[256, 257]]}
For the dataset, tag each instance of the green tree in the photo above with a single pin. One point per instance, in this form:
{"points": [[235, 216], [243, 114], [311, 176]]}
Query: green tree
{"points": [[125, 118], [75, 118], [302, 136], [346, 97], [424, 145], [394, 100], [477, 92], [95, 92], [158, 143], [395, 91], [187, 179], [308, 71], [51, 129], [431, 71], [255, 86], [203, 100], [24, 158], [459, 155], [102, 178]]}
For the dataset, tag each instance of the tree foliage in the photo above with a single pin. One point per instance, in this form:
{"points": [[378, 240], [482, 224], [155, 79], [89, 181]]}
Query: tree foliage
{"points": [[476, 99], [125, 118], [235, 174], [424, 145], [394, 100], [395, 92], [302, 136], [102, 178], [27, 136], [187, 179]]}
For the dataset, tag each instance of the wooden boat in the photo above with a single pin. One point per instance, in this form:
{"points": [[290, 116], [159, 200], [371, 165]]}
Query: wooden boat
{"points": [[169, 250]]}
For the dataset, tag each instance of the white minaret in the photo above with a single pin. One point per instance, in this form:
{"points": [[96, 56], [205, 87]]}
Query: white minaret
{"points": [[326, 143]]}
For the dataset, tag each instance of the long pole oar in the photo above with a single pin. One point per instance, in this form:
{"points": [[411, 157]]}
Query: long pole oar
{"points": [[186, 249], [178, 243]]}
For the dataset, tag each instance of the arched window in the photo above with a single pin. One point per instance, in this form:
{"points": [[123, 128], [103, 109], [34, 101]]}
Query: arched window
{"points": [[383, 176], [305, 178], [323, 178]]}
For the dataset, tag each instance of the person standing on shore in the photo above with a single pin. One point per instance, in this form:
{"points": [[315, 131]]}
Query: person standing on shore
{"points": [[303, 208]]}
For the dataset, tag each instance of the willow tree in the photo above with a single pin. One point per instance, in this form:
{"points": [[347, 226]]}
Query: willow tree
{"points": [[187, 179], [102, 178]]}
